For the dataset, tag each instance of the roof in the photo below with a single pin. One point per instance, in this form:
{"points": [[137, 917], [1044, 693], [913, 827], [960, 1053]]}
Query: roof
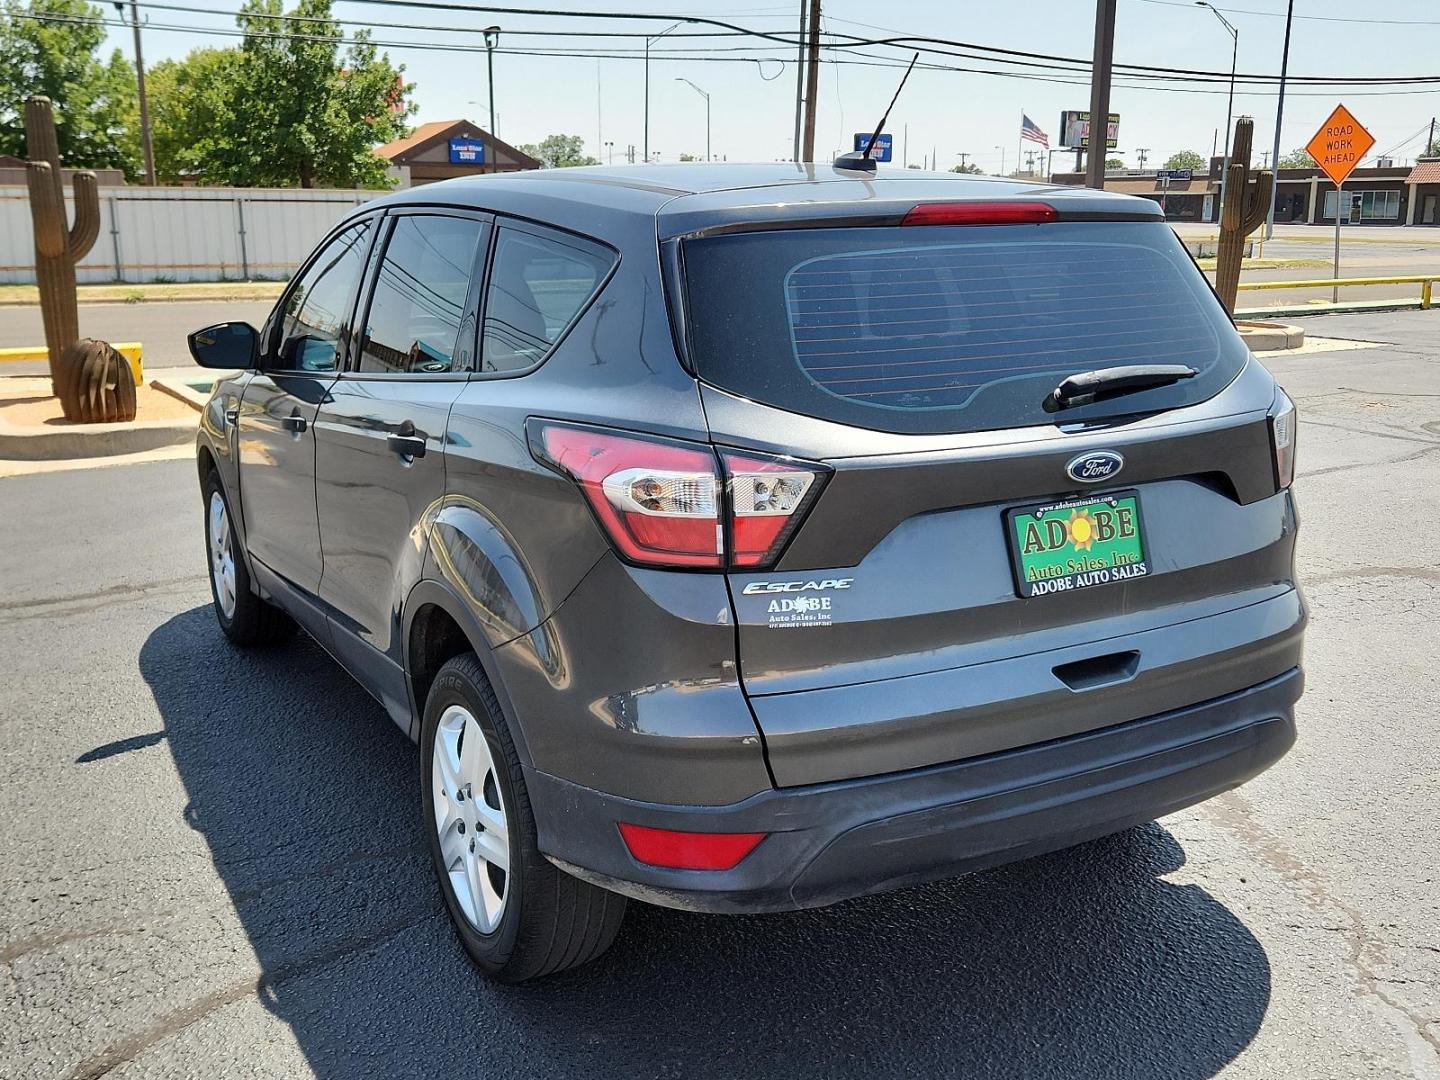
{"points": [[1426, 171], [421, 134], [691, 198], [427, 135]]}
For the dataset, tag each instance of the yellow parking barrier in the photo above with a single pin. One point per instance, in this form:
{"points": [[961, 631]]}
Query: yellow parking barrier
{"points": [[1425, 281], [128, 349]]}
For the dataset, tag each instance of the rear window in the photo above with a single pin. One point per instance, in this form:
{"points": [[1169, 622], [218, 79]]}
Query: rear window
{"points": [[951, 329]]}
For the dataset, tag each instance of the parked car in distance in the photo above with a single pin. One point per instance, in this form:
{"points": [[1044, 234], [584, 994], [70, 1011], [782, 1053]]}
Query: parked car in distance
{"points": [[749, 538]]}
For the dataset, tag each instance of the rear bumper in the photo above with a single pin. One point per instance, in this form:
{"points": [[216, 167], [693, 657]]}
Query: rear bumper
{"points": [[829, 842]]}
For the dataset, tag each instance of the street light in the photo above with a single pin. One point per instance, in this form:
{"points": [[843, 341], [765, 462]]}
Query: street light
{"points": [[706, 96], [646, 141], [1230, 102], [1002, 159], [610, 151], [492, 38]]}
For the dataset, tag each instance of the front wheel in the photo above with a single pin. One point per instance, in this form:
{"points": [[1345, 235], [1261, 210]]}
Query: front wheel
{"points": [[245, 618], [518, 916]]}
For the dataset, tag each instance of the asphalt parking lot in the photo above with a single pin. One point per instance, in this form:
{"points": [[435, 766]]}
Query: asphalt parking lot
{"points": [[214, 864]]}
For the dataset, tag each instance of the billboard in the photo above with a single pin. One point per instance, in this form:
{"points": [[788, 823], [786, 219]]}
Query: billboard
{"points": [[467, 152], [1075, 131], [884, 144]]}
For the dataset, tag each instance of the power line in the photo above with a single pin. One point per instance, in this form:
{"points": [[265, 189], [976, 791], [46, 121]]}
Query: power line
{"points": [[1309, 18], [693, 55]]}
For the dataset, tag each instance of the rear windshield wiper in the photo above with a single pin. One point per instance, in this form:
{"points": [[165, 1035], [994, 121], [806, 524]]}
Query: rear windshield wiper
{"points": [[1086, 387]]}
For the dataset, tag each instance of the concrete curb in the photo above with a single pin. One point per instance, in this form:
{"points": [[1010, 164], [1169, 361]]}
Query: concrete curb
{"points": [[1270, 336], [89, 441], [93, 440]]}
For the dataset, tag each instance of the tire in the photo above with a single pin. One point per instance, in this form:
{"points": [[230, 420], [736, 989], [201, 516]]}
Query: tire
{"points": [[546, 920], [246, 619]]}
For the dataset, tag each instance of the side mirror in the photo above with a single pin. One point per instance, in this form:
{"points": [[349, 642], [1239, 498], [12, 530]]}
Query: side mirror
{"points": [[226, 345]]}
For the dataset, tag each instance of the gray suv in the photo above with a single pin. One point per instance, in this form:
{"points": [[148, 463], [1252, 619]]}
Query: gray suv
{"points": [[747, 538]]}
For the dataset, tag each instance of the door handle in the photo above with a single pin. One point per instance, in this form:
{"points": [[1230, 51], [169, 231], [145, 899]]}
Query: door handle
{"points": [[407, 446], [295, 423]]}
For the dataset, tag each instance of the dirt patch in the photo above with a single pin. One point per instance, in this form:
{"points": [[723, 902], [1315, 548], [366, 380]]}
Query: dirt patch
{"points": [[31, 410]]}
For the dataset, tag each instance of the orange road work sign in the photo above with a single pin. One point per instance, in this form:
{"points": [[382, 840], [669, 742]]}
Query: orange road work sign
{"points": [[1340, 144]]}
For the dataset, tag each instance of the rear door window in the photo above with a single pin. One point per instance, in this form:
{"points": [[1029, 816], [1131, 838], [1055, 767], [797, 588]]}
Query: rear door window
{"points": [[540, 280], [951, 329]]}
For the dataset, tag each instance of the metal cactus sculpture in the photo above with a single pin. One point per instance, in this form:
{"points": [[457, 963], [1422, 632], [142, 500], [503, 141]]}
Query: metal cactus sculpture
{"points": [[1247, 201], [84, 375]]}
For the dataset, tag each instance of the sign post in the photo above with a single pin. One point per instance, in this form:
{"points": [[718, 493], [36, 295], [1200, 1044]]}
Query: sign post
{"points": [[1337, 148]]}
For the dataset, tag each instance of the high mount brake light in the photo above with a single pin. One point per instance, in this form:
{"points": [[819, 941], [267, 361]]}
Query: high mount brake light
{"points": [[981, 213], [661, 501]]}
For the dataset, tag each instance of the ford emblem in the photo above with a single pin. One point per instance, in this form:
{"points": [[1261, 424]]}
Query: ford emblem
{"points": [[1095, 466]]}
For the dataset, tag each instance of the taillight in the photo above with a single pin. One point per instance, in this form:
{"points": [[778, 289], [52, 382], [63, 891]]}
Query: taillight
{"points": [[688, 850], [663, 503], [980, 213], [768, 499], [658, 500], [1282, 438]]}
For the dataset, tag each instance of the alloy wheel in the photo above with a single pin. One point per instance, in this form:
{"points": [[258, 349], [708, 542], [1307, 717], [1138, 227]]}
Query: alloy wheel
{"points": [[470, 818]]}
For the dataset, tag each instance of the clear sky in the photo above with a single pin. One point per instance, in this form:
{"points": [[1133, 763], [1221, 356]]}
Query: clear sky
{"points": [[945, 112]]}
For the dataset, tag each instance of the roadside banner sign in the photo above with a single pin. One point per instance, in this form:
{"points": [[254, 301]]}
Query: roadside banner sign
{"points": [[1337, 148], [1339, 145]]}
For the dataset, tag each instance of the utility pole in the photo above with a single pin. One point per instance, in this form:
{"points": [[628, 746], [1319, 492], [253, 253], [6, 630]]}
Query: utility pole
{"points": [[1430, 142], [1142, 152], [146, 146], [800, 79], [1100, 70], [962, 158], [812, 82], [1279, 116]]}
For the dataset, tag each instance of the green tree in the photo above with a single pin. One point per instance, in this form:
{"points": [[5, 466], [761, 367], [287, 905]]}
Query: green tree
{"points": [[559, 151], [296, 103], [969, 168], [1185, 159], [191, 110], [1114, 164], [1297, 159], [52, 47]]}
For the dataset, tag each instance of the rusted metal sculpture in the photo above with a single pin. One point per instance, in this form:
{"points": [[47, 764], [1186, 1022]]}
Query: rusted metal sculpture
{"points": [[82, 374], [104, 388], [1247, 200]]}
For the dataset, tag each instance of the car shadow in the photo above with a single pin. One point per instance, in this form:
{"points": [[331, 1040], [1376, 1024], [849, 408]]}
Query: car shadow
{"points": [[1086, 962]]}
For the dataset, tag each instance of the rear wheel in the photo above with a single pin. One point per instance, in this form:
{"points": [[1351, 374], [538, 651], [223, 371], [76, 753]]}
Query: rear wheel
{"points": [[242, 614], [517, 915]]}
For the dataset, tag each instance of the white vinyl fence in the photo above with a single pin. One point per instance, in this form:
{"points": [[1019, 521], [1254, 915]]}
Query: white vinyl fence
{"points": [[185, 233]]}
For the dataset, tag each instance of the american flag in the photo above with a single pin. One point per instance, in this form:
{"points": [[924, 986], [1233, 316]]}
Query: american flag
{"points": [[1029, 130]]}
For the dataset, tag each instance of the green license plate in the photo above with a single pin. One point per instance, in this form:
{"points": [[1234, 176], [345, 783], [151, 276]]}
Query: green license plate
{"points": [[1076, 543]]}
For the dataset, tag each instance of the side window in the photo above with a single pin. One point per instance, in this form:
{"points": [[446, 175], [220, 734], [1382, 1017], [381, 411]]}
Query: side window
{"points": [[418, 302], [317, 306], [538, 284]]}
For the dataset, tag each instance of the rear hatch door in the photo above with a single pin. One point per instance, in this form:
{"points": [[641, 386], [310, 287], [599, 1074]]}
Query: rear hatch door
{"points": [[979, 572]]}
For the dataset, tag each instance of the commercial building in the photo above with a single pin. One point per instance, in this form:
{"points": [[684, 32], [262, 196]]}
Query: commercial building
{"points": [[1387, 194], [444, 149]]}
